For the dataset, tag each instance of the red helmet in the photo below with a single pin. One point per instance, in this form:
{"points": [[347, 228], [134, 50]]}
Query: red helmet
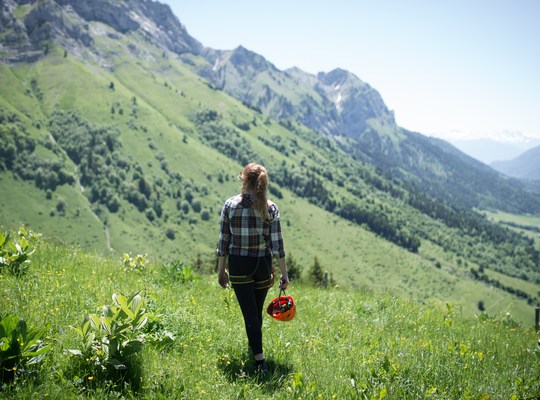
{"points": [[282, 308]]}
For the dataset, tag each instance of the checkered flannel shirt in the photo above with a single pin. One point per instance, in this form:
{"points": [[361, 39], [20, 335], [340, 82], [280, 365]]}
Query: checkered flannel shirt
{"points": [[244, 233]]}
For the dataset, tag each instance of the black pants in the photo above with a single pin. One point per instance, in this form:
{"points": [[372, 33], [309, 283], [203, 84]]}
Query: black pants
{"points": [[246, 276]]}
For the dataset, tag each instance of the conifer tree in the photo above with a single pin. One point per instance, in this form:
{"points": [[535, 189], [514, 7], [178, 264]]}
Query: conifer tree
{"points": [[316, 275]]}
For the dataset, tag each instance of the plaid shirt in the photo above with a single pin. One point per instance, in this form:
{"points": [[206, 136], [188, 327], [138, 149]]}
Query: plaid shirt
{"points": [[244, 233]]}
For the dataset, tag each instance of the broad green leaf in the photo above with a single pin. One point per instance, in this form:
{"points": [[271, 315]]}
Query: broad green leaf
{"points": [[3, 239], [22, 328], [77, 330], [75, 352], [120, 329], [106, 324], [122, 302], [35, 335], [142, 323], [38, 352], [4, 345], [115, 297], [136, 304], [23, 243], [85, 328], [8, 325], [118, 365], [94, 321]]}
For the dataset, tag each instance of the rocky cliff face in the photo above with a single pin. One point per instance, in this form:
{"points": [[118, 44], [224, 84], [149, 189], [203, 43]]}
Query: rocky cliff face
{"points": [[355, 101], [15, 44], [27, 25], [336, 103]]}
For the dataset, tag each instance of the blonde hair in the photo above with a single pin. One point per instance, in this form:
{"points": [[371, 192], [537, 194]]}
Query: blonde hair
{"points": [[255, 180]]}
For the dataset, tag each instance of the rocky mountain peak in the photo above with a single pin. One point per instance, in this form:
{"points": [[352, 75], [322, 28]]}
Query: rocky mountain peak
{"points": [[27, 24], [243, 59], [335, 77]]}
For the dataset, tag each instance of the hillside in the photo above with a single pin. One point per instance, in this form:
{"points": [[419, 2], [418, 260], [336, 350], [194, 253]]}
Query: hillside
{"points": [[525, 166], [186, 339], [114, 142]]}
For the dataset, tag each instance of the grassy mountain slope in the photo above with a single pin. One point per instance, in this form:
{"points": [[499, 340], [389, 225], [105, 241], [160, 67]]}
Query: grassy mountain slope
{"points": [[123, 148], [342, 343]]}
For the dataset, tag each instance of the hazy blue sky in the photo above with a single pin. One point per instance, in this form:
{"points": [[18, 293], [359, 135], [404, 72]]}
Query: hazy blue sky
{"points": [[446, 68]]}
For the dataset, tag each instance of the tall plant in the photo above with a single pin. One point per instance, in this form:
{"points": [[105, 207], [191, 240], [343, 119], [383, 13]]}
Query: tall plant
{"points": [[21, 348], [111, 340], [15, 253]]}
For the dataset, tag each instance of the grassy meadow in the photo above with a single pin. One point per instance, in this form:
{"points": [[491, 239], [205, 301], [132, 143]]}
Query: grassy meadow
{"points": [[344, 342], [526, 224]]}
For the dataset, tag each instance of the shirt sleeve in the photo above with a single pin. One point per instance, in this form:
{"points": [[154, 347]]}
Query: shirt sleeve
{"points": [[276, 237], [224, 232]]}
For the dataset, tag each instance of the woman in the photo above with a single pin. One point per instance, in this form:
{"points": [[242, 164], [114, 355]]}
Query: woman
{"points": [[250, 232]]}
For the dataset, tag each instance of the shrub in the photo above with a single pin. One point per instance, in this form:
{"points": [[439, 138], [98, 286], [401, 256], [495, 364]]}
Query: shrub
{"points": [[14, 255], [196, 205], [150, 214], [185, 206], [205, 214], [113, 204], [137, 263], [111, 341], [61, 206], [170, 233], [177, 271], [20, 348]]}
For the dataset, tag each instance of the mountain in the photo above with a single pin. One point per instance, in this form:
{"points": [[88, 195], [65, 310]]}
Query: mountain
{"points": [[334, 103], [526, 166], [487, 150], [340, 105], [123, 134], [491, 150]]}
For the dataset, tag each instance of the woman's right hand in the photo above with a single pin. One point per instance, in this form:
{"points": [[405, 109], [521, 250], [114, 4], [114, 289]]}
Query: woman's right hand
{"points": [[283, 282], [223, 279]]}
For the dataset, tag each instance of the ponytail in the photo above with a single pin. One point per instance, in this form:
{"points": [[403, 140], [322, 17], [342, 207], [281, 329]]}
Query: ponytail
{"points": [[261, 196], [255, 180]]}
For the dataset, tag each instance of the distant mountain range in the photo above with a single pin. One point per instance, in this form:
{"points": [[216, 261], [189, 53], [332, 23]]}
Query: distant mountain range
{"points": [[492, 150], [525, 166]]}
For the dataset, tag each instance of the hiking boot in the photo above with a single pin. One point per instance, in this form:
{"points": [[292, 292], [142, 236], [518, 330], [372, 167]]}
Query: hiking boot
{"points": [[261, 367]]}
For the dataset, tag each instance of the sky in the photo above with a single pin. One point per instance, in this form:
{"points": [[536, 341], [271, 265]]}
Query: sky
{"points": [[447, 68]]}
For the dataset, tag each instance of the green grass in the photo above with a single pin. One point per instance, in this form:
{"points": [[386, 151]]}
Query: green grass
{"points": [[343, 343], [526, 224], [31, 206]]}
